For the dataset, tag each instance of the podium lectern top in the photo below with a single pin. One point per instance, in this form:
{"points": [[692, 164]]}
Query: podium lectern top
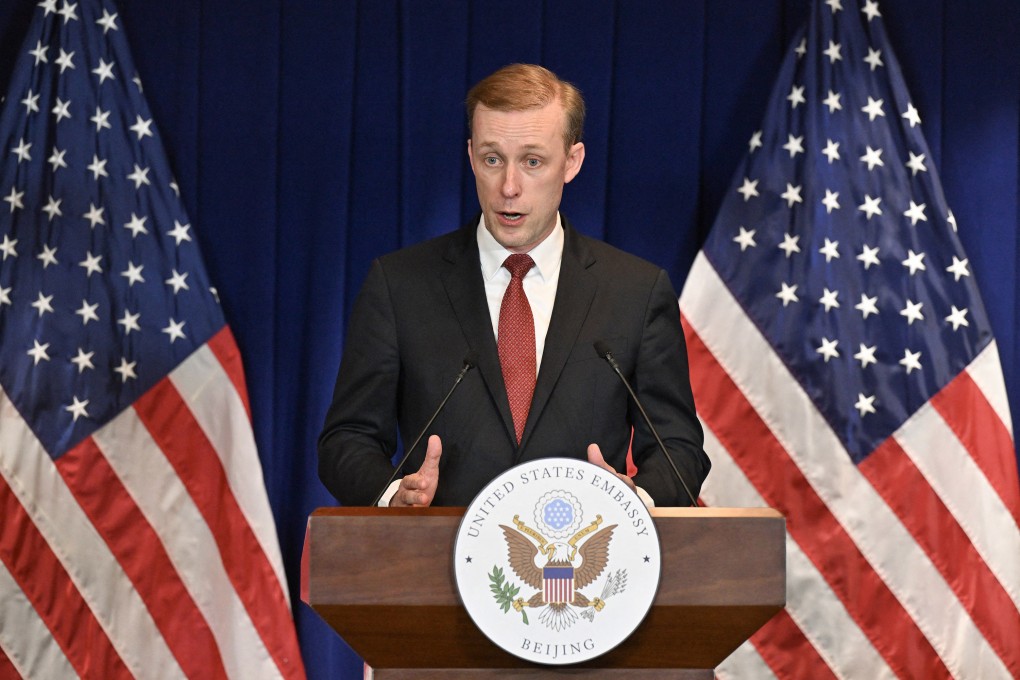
{"points": [[383, 579]]}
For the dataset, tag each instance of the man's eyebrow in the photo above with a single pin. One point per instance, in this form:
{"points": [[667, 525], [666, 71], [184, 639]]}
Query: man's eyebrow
{"points": [[494, 146]]}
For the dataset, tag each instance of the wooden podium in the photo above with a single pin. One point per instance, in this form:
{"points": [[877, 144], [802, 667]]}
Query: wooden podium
{"points": [[383, 579]]}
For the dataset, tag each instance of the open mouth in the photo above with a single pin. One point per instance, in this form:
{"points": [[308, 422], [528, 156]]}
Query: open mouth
{"points": [[511, 217]]}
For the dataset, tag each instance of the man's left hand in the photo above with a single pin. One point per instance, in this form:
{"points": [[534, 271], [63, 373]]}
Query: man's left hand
{"points": [[595, 458]]}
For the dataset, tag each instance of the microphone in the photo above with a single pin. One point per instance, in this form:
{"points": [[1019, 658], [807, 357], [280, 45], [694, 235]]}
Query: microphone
{"points": [[470, 361], [603, 350]]}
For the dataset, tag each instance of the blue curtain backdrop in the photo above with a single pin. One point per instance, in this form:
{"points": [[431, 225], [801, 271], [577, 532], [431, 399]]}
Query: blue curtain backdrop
{"points": [[309, 136]]}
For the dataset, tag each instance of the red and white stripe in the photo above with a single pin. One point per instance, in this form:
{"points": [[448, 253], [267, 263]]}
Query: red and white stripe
{"points": [[149, 548], [907, 565], [559, 590]]}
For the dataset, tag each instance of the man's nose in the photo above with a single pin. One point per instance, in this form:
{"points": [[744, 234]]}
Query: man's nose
{"points": [[511, 183]]}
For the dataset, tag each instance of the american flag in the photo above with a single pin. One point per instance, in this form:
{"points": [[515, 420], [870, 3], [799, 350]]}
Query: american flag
{"points": [[558, 584], [136, 536], [846, 374]]}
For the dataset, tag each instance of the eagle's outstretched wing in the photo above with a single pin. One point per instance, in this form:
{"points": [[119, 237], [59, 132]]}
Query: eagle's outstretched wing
{"points": [[522, 553], [594, 557]]}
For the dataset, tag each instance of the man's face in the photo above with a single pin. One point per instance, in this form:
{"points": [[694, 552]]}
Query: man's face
{"points": [[520, 167]]}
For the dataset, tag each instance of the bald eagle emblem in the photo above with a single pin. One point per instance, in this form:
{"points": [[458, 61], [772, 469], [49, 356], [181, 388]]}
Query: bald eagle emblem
{"points": [[567, 568], [557, 561]]}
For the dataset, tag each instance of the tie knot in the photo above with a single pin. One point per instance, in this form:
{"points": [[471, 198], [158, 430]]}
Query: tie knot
{"points": [[518, 265]]}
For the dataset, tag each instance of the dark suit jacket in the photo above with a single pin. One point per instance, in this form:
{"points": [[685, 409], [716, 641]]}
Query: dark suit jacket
{"points": [[423, 308]]}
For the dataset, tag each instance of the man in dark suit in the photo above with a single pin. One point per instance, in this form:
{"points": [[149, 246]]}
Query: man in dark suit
{"points": [[523, 292]]}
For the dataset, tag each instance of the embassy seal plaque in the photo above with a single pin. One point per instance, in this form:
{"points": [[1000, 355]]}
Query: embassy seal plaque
{"points": [[557, 561]]}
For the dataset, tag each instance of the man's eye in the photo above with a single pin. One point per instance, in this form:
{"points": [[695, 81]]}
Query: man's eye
{"points": [[533, 162], [491, 160]]}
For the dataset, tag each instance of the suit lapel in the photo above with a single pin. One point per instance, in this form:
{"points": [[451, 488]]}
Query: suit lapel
{"points": [[466, 291], [574, 293]]}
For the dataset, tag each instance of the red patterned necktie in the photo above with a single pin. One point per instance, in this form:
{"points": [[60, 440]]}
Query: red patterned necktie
{"points": [[516, 342]]}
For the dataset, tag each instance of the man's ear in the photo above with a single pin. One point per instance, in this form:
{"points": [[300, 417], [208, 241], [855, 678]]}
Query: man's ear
{"points": [[575, 159], [471, 156]]}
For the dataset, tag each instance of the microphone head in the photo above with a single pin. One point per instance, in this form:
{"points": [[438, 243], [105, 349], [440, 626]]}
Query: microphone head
{"points": [[602, 349], [471, 359]]}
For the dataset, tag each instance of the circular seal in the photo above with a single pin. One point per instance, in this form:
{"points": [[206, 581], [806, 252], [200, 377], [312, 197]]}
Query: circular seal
{"points": [[557, 561]]}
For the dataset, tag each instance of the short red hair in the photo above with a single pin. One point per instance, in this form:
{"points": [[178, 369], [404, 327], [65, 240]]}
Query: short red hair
{"points": [[519, 87]]}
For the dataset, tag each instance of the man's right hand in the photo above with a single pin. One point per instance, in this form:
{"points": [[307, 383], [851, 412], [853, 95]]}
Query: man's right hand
{"points": [[418, 489]]}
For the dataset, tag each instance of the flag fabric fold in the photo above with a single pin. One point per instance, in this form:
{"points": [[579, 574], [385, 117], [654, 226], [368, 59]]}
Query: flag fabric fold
{"points": [[847, 375], [137, 538]]}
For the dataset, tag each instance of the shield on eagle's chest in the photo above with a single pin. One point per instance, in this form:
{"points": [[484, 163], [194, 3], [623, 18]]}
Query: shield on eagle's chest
{"points": [[558, 583]]}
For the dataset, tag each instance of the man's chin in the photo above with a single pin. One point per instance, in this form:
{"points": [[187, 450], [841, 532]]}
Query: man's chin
{"points": [[518, 237], [516, 242]]}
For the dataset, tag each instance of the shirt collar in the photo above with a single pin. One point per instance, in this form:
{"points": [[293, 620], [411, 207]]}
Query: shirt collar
{"points": [[547, 254]]}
